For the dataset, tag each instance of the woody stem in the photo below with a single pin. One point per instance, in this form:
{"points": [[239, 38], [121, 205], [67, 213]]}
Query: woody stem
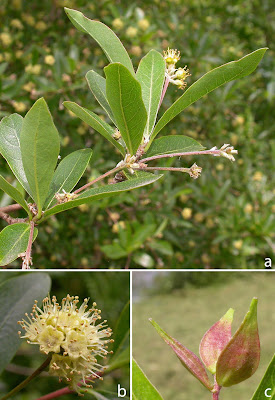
{"points": [[174, 169], [112, 171], [187, 153], [29, 379]]}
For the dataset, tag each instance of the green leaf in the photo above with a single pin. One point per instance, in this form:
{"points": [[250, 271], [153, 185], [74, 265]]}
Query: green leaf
{"points": [[188, 359], [210, 81], [122, 329], [105, 37], [13, 241], [17, 296], [39, 142], [10, 129], [124, 96], [68, 173], [114, 251], [97, 85], [267, 385], [151, 74], [215, 340], [101, 192], [95, 122], [142, 388], [173, 144], [13, 193], [240, 358]]}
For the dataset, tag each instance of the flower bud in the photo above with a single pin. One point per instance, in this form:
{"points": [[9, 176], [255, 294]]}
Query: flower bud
{"points": [[215, 340], [240, 358], [188, 359]]}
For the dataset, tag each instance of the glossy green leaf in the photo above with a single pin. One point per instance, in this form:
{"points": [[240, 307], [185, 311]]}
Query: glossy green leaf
{"points": [[39, 142], [240, 358], [210, 81], [122, 329], [173, 144], [68, 173], [13, 241], [10, 129], [17, 296], [142, 388], [215, 340], [105, 37], [124, 96], [266, 389], [188, 359], [95, 122], [97, 85], [13, 193], [101, 192], [151, 74]]}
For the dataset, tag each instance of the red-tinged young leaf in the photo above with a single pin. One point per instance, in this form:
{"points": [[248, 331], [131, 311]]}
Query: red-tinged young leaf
{"points": [[215, 340], [188, 359], [240, 358]]}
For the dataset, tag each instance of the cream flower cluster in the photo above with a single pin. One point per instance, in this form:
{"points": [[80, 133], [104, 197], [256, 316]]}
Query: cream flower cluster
{"points": [[72, 334], [175, 75]]}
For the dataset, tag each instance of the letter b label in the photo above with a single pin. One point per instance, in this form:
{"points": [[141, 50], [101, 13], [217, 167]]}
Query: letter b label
{"points": [[121, 392]]}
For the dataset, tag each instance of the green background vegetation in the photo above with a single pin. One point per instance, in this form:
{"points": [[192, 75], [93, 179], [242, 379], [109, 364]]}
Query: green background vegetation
{"points": [[221, 220], [186, 314], [111, 293]]}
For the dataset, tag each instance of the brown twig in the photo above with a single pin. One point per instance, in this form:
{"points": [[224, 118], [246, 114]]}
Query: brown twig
{"points": [[112, 171], [188, 153], [10, 208], [10, 220]]}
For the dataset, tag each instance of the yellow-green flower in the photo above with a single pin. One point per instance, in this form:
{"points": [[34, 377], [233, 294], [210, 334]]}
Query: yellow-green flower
{"points": [[72, 335]]}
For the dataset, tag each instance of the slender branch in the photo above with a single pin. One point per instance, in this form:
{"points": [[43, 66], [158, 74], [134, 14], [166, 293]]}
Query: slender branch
{"points": [[174, 169], [29, 379], [166, 84], [61, 392], [10, 208], [57, 393], [188, 153], [10, 220], [27, 257], [112, 171]]}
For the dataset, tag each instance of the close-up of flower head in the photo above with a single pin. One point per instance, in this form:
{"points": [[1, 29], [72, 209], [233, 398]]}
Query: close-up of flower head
{"points": [[71, 336]]}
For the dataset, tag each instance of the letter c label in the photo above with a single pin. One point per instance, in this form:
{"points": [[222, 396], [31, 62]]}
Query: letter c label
{"points": [[267, 390]]}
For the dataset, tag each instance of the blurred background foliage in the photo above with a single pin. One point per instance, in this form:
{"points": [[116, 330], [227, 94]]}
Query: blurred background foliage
{"points": [[111, 292], [223, 219], [186, 305]]}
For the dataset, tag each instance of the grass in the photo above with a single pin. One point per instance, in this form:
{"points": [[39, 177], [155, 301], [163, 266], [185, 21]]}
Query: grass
{"points": [[186, 315]]}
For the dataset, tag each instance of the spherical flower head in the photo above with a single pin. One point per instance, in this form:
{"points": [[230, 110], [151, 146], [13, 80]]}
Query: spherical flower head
{"points": [[118, 23], [73, 336], [171, 56]]}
